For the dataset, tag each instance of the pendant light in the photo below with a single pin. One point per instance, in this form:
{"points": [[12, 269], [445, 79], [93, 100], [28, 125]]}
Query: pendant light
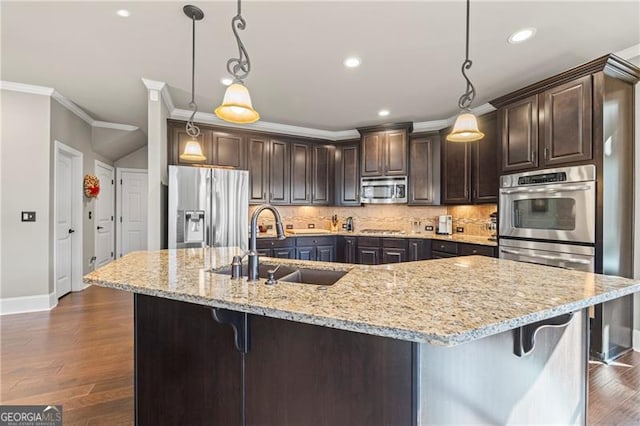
{"points": [[236, 106], [193, 149], [465, 128]]}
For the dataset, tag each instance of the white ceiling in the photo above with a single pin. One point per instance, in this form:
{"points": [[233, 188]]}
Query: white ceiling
{"points": [[411, 53]]}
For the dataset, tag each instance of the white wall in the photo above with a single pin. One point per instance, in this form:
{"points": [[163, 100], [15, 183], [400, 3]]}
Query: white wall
{"points": [[157, 170], [71, 130], [24, 185], [138, 159]]}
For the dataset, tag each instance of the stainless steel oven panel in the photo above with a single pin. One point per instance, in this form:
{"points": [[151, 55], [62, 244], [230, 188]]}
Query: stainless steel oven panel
{"points": [[584, 196], [579, 258], [574, 174]]}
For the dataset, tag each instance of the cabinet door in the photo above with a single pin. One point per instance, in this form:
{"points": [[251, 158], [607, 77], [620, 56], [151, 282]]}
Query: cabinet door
{"points": [[566, 123], [350, 255], [229, 150], [284, 253], [442, 255], [179, 139], [518, 124], [265, 252], [424, 170], [394, 255], [416, 250], [258, 170], [322, 175], [395, 153], [306, 253], [368, 255], [326, 253], [485, 163], [372, 154], [347, 175], [456, 172], [279, 172], [300, 173]]}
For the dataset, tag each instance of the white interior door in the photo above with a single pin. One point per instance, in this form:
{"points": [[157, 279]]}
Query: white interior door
{"points": [[64, 223], [133, 216], [105, 233]]}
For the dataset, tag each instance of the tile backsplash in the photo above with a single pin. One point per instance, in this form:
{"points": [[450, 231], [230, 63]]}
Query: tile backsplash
{"points": [[396, 216]]}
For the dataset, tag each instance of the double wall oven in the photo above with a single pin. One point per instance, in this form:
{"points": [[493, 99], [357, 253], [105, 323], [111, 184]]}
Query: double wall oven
{"points": [[549, 217]]}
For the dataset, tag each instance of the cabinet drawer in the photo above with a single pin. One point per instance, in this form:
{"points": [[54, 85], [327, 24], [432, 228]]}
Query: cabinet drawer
{"points": [[442, 255], [476, 249], [444, 246], [265, 243], [314, 241], [394, 243], [368, 241]]}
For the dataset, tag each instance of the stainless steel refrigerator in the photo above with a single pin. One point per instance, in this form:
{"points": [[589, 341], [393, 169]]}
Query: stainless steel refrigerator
{"points": [[208, 207]]}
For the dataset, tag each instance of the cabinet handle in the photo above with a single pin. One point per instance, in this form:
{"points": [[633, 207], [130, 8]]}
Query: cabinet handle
{"points": [[533, 155], [546, 153], [264, 195]]}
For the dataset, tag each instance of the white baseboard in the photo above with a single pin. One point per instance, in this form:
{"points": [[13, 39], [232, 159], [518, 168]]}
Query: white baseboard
{"points": [[19, 305], [636, 340]]}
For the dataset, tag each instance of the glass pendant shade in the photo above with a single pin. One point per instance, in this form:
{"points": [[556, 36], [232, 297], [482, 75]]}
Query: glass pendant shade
{"points": [[236, 106], [192, 152], [465, 129]]}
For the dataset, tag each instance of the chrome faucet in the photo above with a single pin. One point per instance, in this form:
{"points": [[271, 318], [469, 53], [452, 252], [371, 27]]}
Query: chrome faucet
{"points": [[253, 253]]}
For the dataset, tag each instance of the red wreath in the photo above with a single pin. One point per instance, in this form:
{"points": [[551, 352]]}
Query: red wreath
{"points": [[91, 186]]}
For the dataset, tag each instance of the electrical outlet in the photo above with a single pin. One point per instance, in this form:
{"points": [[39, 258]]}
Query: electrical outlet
{"points": [[428, 228], [459, 229], [269, 226], [289, 226], [311, 225], [344, 226]]}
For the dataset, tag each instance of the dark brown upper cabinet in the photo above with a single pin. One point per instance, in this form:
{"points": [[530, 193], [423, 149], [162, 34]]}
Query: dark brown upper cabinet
{"points": [[322, 175], [222, 149], [279, 161], [347, 174], [566, 123], [469, 173], [519, 134], [424, 169], [383, 150], [258, 159], [484, 159], [547, 124], [300, 173]]}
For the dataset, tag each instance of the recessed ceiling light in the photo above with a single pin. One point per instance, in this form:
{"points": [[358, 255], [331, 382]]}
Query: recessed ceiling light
{"points": [[226, 81], [352, 62], [123, 13], [522, 35], [383, 112]]}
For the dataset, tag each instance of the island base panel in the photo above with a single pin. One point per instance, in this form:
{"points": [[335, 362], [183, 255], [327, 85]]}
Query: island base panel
{"points": [[483, 382]]}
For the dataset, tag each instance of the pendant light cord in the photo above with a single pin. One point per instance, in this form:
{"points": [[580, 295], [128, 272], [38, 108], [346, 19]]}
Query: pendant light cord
{"points": [[468, 96], [191, 128], [241, 66]]}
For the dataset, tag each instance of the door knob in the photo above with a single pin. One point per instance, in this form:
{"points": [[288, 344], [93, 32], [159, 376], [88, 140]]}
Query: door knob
{"points": [[71, 231], [100, 227]]}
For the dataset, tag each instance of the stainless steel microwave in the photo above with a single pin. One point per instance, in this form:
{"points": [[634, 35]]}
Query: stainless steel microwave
{"points": [[384, 190]]}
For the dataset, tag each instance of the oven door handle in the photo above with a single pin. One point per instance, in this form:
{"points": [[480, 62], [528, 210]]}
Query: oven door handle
{"points": [[547, 257], [545, 190]]}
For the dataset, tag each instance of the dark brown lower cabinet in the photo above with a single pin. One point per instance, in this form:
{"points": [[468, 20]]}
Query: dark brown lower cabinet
{"points": [[441, 255], [394, 250], [284, 253], [188, 371], [419, 249], [306, 253], [368, 255], [348, 251], [326, 253]]}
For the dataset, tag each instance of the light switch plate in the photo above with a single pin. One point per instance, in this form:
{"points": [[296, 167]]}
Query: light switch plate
{"points": [[311, 225], [289, 226], [28, 216], [428, 228], [459, 229]]}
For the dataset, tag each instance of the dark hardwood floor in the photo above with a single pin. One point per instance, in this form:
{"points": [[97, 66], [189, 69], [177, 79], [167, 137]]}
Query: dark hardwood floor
{"points": [[80, 355]]}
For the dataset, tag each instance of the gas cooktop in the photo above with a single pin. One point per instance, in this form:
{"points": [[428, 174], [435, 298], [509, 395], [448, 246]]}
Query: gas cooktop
{"points": [[383, 231]]}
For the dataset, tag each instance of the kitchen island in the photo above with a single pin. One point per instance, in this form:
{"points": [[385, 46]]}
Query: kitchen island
{"points": [[461, 340]]}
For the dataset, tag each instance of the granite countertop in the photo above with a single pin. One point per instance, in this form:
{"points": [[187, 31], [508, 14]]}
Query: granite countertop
{"points": [[459, 238], [441, 302]]}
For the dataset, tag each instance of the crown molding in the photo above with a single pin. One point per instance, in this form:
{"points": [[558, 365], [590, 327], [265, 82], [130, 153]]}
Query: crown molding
{"points": [[64, 101], [68, 104], [116, 126], [26, 88], [163, 88]]}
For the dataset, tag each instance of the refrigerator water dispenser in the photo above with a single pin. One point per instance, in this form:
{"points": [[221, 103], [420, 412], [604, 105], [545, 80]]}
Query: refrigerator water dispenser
{"points": [[194, 226]]}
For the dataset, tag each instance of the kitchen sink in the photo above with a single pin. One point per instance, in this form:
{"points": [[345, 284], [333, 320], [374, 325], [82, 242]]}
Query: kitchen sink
{"points": [[262, 270], [313, 276]]}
